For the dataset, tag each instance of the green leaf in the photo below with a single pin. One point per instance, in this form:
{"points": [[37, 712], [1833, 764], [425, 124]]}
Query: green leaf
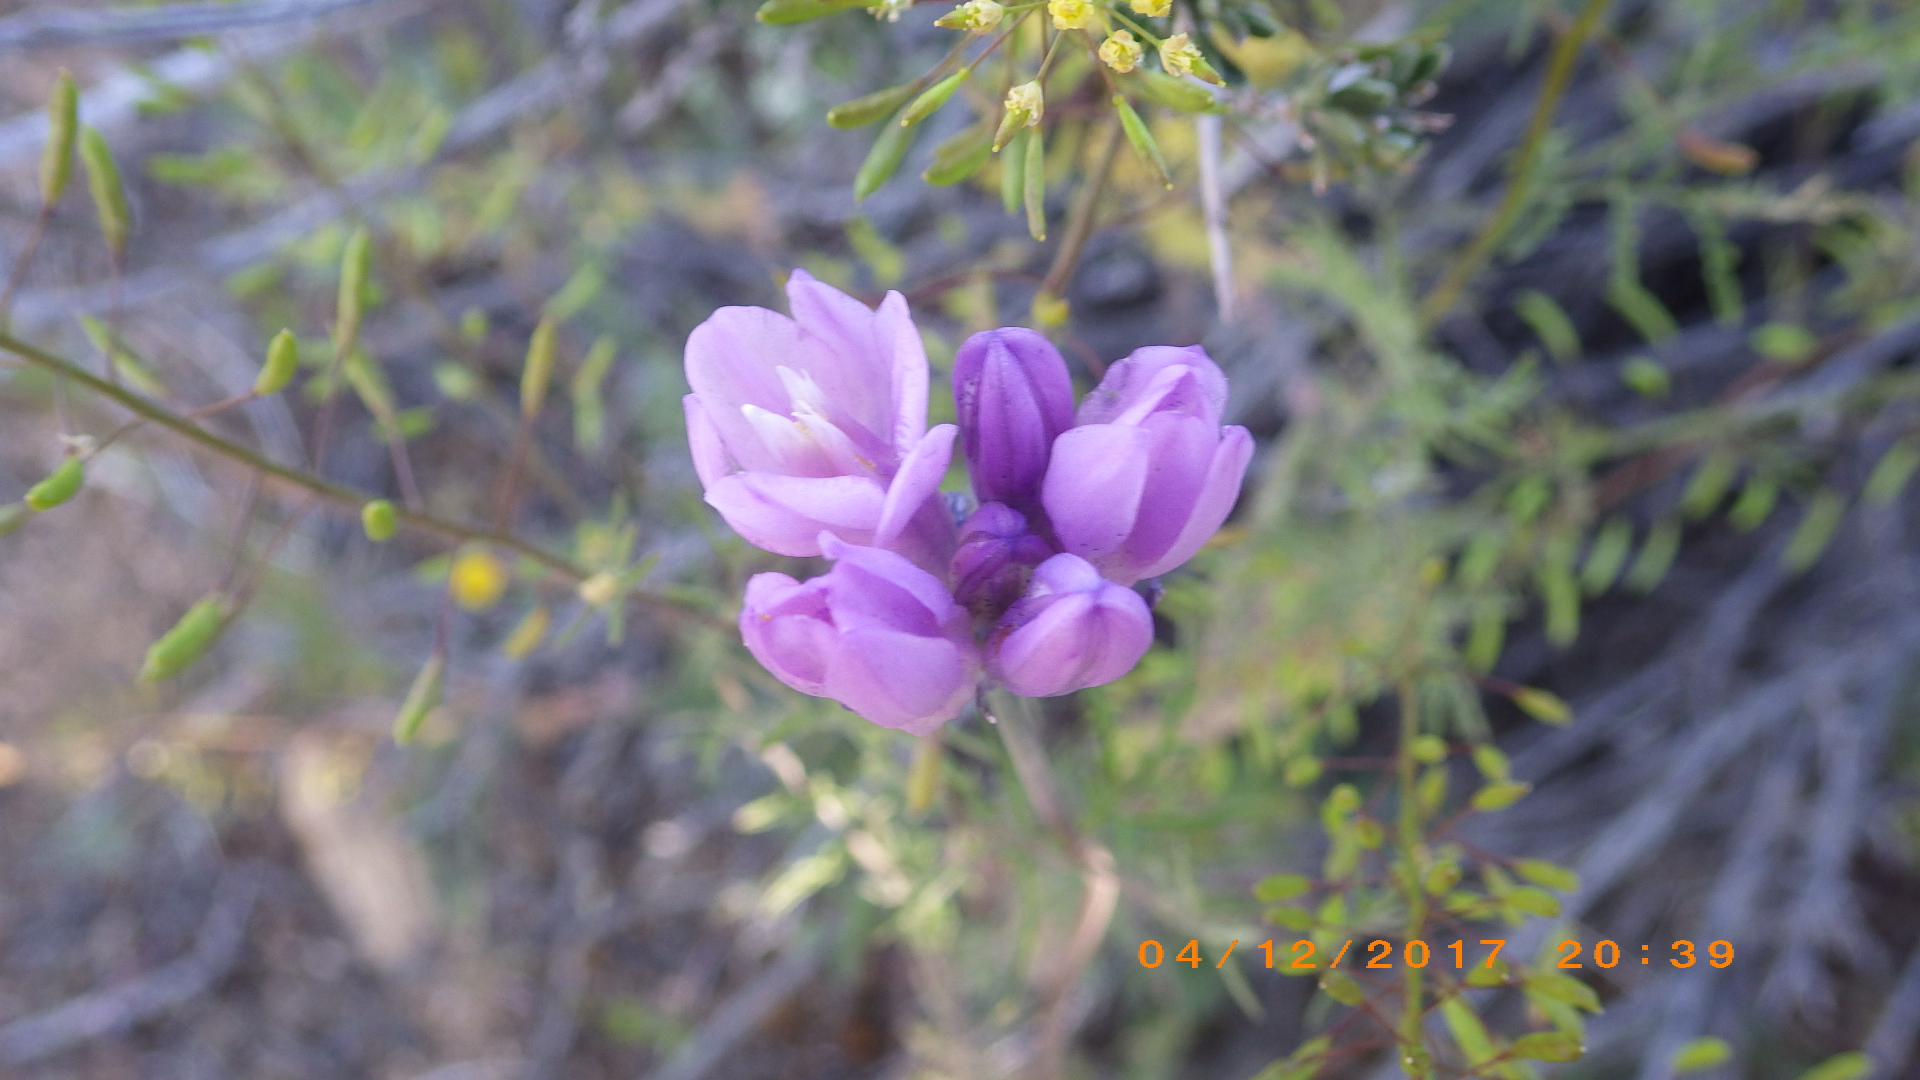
{"points": [[1290, 917], [1279, 887], [1301, 771], [1428, 749], [1550, 324], [283, 359], [422, 698], [1548, 1046], [13, 515], [1142, 138], [1468, 1031], [109, 194], [1757, 497], [1551, 875], [1341, 988], [1848, 1066], [1499, 796], [56, 161], [543, 352], [1709, 485], [1442, 877], [587, 389], [1491, 762], [1534, 901], [1784, 343], [1656, 556], [1703, 1053], [1557, 987], [1816, 528], [1174, 93], [1013, 171], [1542, 705], [1891, 474], [1646, 378], [1608, 554]]}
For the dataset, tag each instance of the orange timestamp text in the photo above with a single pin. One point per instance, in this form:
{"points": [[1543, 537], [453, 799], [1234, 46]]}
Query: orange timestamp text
{"points": [[1303, 955]]}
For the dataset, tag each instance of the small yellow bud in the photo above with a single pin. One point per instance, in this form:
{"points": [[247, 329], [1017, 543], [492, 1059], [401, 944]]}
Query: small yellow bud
{"points": [[974, 16], [599, 590], [1152, 8], [1026, 104], [478, 580], [379, 520], [1121, 52], [1179, 56], [1073, 14]]}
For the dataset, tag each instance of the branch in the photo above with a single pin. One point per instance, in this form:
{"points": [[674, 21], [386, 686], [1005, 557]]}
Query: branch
{"points": [[48, 28]]}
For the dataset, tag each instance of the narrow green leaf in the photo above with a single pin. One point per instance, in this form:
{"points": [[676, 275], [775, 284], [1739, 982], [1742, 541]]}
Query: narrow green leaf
{"points": [[1550, 324], [1548, 1046], [1554, 986], [1656, 556], [1705, 1052], [1608, 554], [1542, 705], [355, 260], [1890, 475], [422, 698], [1709, 484], [1551, 875], [1341, 988], [1499, 796], [1174, 93], [1142, 138], [784, 12], [1757, 498], [1848, 1066], [1815, 530], [63, 119], [543, 352], [589, 411], [109, 194], [1468, 1032], [1277, 887]]}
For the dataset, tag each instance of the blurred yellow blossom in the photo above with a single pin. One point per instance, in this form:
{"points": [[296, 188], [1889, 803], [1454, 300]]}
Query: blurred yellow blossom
{"points": [[1073, 14], [1121, 52], [478, 579]]}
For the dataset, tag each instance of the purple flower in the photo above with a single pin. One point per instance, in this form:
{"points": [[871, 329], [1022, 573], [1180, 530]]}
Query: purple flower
{"points": [[995, 557], [1072, 630], [875, 633], [1014, 397], [818, 423], [1147, 475]]}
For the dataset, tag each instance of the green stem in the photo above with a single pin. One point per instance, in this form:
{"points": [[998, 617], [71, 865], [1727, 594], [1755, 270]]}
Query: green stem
{"points": [[1559, 73], [1413, 1015], [307, 482]]}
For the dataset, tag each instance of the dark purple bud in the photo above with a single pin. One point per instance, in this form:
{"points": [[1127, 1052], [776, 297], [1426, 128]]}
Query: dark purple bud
{"points": [[996, 556], [1014, 398]]}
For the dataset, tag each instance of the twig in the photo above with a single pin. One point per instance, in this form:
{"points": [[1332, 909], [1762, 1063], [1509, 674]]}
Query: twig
{"points": [[1559, 73], [1892, 1041], [103, 1013], [49, 28], [1085, 207], [1213, 211], [736, 1018]]}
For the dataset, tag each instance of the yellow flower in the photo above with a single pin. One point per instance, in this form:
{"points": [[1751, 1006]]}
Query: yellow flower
{"points": [[478, 579], [975, 17], [1073, 14], [1120, 52], [1025, 104], [1180, 57], [1153, 8]]}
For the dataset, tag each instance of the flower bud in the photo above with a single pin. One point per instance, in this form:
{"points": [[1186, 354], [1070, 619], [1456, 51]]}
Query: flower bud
{"points": [[995, 558], [975, 17], [1152, 8], [477, 580], [186, 642], [876, 633], [1073, 14], [379, 521], [1179, 56], [1121, 52], [1024, 106], [1072, 630], [1013, 396]]}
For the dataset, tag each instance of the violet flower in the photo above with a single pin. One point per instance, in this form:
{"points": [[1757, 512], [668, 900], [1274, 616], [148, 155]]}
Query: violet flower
{"points": [[1014, 397], [1147, 475], [875, 633], [818, 423], [1072, 630], [995, 557]]}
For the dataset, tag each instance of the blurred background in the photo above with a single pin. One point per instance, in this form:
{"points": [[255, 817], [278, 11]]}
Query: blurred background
{"points": [[1587, 383]]}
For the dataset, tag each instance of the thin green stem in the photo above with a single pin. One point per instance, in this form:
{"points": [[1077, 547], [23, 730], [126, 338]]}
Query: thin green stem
{"points": [[307, 482], [1413, 1015], [1560, 68]]}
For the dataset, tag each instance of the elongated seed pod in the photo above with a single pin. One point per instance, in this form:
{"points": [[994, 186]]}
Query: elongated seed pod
{"points": [[1141, 138], [960, 157], [422, 697], [1175, 93], [59, 486], [782, 12], [181, 647], [935, 96], [1036, 186], [63, 118], [354, 261], [109, 195], [1013, 172], [283, 359], [542, 352], [872, 108], [883, 160], [528, 635]]}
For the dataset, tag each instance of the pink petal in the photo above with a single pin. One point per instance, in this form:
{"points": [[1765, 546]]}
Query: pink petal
{"points": [[1093, 487], [1218, 494], [786, 514], [710, 461], [847, 355], [867, 568], [894, 329], [901, 680], [730, 361], [919, 476], [1133, 379]]}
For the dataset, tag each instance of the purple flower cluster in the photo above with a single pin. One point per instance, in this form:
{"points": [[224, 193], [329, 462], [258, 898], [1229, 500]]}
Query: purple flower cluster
{"points": [[810, 436]]}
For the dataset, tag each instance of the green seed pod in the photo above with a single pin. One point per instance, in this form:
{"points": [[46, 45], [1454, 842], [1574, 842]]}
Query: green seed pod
{"points": [[179, 648], [1035, 186], [889, 150], [874, 107], [589, 412], [283, 358], [379, 520], [960, 157], [59, 486], [783, 12], [422, 698], [542, 352], [1013, 172], [109, 195], [1141, 138], [63, 117], [1177, 94], [354, 262], [935, 96], [12, 516]]}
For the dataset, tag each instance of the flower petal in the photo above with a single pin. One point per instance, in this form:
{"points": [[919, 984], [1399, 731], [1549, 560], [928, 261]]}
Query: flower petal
{"points": [[881, 582], [919, 476], [710, 461], [730, 361], [894, 328], [786, 627], [903, 681], [786, 514], [1138, 377], [1093, 487], [1218, 493], [847, 356]]}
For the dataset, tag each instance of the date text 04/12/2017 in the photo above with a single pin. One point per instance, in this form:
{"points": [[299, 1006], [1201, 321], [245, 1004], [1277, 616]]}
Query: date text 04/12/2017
{"points": [[1415, 953]]}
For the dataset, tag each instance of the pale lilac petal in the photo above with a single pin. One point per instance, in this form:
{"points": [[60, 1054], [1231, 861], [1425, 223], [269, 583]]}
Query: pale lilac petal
{"points": [[903, 681], [894, 330], [845, 354], [1094, 485], [919, 477], [1013, 397], [785, 626], [710, 461], [1217, 496], [786, 514], [1087, 633], [1180, 454], [730, 363], [1138, 376], [866, 569]]}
